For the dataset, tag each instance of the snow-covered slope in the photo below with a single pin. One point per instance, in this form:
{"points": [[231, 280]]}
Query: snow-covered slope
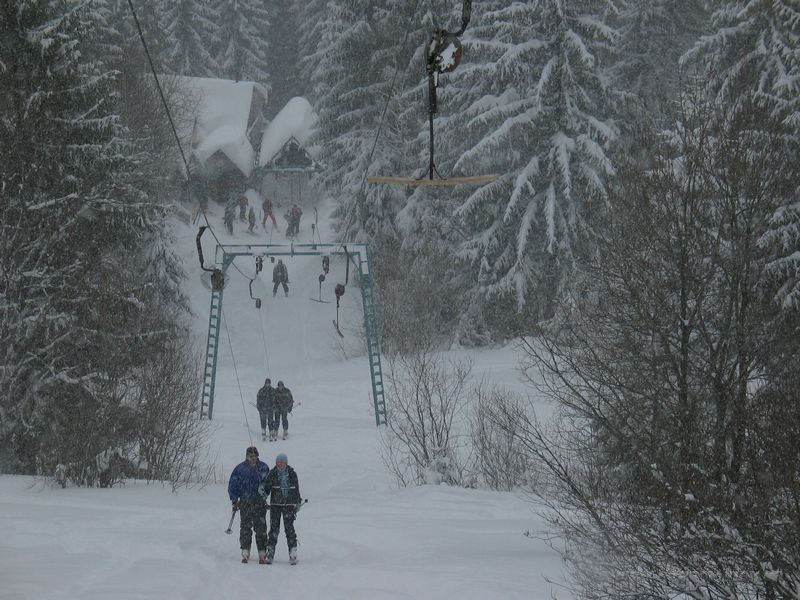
{"points": [[360, 537]]}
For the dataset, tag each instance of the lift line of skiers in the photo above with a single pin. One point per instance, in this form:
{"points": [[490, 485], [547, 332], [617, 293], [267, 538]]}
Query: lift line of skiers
{"points": [[254, 487], [247, 214]]}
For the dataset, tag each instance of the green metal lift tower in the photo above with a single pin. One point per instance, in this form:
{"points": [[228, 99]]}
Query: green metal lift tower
{"points": [[357, 253]]}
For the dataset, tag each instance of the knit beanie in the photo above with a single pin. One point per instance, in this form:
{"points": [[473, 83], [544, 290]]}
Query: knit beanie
{"points": [[282, 457]]}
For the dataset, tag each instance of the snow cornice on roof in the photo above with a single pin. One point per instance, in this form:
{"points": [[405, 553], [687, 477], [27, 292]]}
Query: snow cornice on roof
{"points": [[295, 120], [222, 118]]}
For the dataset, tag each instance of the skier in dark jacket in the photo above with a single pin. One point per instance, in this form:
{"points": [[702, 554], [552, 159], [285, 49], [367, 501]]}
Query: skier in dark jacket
{"points": [[292, 217], [243, 490], [280, 276], [281, 488], [264, 404], [283, 402], [230, 215], [266, 210]]}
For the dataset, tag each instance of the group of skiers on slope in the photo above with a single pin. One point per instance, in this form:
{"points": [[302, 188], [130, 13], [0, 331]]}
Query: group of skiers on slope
{"points": [[247, 214], [274, 406], [253, 488]]}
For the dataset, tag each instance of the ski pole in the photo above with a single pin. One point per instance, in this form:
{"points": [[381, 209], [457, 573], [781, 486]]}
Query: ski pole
{"points": [[230, 524], [304, 501]]}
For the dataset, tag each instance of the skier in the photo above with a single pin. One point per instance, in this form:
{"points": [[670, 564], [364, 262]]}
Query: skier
{"points": [[266, 209], [293, 216], [280, 276], [264, 404], [283, 406], [230, 215], [282, 488], [242, 200], [243, 490], [251, 217]]}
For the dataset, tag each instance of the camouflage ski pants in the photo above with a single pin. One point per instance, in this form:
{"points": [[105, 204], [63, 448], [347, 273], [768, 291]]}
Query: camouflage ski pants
{"points": [[252, 517]]}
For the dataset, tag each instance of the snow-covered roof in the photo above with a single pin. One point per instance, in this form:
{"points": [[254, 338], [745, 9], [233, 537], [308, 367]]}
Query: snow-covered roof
{"points": [[222, 118], [295, 120]]}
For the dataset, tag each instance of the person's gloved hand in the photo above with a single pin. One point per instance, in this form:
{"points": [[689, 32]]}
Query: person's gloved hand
{"points": [[297, 507], [235, 505]]}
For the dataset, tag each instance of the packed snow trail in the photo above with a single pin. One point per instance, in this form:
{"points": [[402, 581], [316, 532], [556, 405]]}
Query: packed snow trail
{"points": [[360, 537]]}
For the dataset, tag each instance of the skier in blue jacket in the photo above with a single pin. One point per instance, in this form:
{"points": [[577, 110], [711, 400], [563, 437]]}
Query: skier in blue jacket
{"points": [[243, 492]]}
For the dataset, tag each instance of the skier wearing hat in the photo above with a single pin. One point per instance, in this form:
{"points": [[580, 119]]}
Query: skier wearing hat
{"points": [[281, 488], [264, 404], [243, 490]]}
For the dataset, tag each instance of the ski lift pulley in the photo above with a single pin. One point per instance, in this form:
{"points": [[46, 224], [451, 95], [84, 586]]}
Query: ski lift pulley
{"points": [[217, 276], [443, 55], [339, 291]]}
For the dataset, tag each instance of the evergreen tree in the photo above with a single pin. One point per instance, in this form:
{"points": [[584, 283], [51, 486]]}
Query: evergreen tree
{"points": [[241, 48], [351, 71], [77, 312], [654, 34], [753, 49], [752, 55], [312, 18], [283, 55], [117, 29], [535, 110], [671, 455], [190, 28]]}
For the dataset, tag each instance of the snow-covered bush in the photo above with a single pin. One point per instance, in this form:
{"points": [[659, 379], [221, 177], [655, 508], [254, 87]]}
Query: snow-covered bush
{"points": [[668, 471], [500, 459], [425, 401], [172, 438]]}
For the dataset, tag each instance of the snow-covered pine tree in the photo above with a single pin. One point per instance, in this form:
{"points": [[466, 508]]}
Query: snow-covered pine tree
{"points": [[76, 315], [311, 18], [121, 27], [535, 111], [283, 57], [753, 54], [654, 34], [242, 33], [754, 48], [351, 70], [191, 30]]}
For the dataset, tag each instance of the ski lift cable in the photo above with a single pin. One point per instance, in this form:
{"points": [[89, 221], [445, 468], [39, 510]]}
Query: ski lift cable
{"points": [[264, 340], [175, 133], [236, 372], [158, 85]]}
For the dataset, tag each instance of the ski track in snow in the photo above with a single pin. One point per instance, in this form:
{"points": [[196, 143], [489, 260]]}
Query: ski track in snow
{"points": [[360, 537]]}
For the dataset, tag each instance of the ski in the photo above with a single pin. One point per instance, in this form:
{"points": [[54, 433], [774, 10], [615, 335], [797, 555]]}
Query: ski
{"points": [[320, 301]]}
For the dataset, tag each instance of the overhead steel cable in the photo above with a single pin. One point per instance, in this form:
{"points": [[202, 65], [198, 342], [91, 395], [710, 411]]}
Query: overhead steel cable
{"points": [[172, 124], [236, 372]]}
